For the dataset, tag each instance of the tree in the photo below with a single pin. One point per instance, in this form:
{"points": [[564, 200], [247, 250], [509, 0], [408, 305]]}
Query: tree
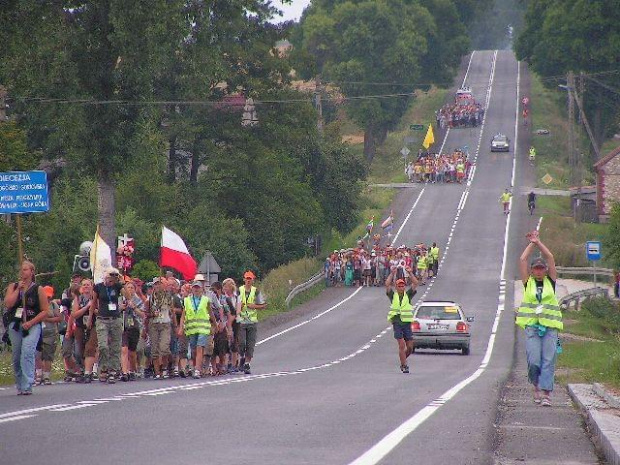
{"points": [[612, 239], [397, 43], [578, 36]]}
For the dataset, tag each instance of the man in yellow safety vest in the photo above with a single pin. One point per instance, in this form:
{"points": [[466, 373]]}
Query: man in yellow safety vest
{"points": [[196, 324], [401, 313], [250, 300]]}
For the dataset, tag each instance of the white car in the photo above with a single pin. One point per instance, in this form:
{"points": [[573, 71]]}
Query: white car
{"points": [[500, 143], [441, 324]]}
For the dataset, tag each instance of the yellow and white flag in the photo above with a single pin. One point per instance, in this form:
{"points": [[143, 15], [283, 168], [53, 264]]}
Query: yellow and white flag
{"points": [[100, 258], [429, 139]]}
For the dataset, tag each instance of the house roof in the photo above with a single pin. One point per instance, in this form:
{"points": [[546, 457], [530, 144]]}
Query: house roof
{"points": [[607, 158]]}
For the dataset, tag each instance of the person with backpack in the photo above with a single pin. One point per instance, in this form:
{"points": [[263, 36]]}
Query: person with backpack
{"points": [[27, 305]]}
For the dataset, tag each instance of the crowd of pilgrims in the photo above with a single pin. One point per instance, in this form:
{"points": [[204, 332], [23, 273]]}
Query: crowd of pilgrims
{"points": [[439, 168], [462, 113], [360, 267]]}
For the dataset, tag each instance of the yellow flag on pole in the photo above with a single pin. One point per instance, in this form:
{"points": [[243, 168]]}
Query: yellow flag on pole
{"points": [[429, 139]]}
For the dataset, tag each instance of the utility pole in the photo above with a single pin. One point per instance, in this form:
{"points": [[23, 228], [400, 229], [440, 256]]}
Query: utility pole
{"points": [[318, 103], [572, 158]]}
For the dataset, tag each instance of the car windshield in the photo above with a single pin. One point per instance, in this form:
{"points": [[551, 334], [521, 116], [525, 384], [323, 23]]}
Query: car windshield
{"points": [[500, 138], [439, 312]]}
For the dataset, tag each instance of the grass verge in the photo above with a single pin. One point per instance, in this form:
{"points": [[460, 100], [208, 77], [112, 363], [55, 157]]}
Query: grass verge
{"points": [[564, 236], [591, 345]]}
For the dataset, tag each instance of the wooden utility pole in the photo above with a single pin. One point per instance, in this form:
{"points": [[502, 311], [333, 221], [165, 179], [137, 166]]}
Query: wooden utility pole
{"points": [[318, 103], [572, 157]]}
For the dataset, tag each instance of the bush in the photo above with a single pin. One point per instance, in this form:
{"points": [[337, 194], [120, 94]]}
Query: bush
{"points": [[606, 310]]}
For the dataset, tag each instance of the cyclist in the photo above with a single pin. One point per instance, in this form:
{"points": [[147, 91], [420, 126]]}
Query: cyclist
{"points": [[531, 202], [526, 113], [532, 153]]}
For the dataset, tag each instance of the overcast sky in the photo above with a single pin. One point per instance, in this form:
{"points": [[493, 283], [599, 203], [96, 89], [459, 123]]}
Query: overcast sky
{"points": [[292, 11]]}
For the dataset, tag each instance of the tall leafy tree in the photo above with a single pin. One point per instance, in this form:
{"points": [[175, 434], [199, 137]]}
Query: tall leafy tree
{"points": [[359, 43]]}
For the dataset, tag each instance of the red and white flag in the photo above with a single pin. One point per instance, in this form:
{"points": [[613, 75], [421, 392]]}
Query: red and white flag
{"points": [[174, 254]]}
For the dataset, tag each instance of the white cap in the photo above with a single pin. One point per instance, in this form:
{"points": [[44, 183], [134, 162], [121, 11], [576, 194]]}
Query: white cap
{"points": [[110, 271], [199, 277]]}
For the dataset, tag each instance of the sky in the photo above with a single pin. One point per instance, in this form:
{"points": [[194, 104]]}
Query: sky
{"points": [[292, 11]]}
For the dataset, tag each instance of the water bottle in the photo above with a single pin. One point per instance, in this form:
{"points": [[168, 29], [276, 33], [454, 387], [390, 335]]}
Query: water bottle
{"points": [[558, 347]]}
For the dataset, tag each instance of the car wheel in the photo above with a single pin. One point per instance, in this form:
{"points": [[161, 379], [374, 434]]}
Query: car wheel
{"points": [[465, 350]]}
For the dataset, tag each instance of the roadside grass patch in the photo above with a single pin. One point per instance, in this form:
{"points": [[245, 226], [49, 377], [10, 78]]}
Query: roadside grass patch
{"points": [[584, 361]]}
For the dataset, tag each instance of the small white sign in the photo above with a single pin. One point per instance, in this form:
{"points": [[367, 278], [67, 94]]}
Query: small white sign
{"points": [[405, 151]]}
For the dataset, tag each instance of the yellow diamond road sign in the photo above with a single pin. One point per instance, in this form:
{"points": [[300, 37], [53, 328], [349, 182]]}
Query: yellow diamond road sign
{"points": [[547, 179]]}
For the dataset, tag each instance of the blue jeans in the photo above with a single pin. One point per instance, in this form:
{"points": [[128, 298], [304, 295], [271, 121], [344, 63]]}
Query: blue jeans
{"points": [[541, 355], [24, 349]]}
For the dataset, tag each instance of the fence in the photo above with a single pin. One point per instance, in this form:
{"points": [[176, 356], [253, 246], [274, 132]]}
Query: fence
{"points": [[584, 270]]}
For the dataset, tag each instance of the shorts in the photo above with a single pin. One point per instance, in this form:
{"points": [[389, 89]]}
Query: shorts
{"points": [[220, 344], [198, 340], [366, 273], [174, 343], [402, 331], [67, 347], [159, 334], [48, 346], [130, 339]]}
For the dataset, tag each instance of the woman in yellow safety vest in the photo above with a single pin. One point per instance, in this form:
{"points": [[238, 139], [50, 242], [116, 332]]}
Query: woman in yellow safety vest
{"points": [[196, 324], [540, 316]]}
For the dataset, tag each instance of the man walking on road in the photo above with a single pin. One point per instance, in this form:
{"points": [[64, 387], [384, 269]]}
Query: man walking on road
{"points": [[505, 200], [401, 314], [250, 300]]}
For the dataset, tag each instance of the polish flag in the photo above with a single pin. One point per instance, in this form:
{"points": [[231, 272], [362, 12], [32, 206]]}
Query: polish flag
{"points": [[174, 254]]}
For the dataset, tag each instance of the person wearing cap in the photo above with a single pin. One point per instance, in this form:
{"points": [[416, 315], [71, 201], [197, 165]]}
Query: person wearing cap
{"points": [[50, 336], [196, 324], [540, 316], [401, 313], [160, 323], [505, 200], [250, 300], [109, 324]]}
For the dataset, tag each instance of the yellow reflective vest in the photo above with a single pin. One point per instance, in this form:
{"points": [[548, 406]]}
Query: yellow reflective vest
{"points": [[422, 262], [434, 252], [401, 307], [545, 313], [196, 317], [247, 313]]}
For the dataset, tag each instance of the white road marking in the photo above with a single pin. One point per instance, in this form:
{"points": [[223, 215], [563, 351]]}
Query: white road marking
{"points": [[31, 410], [394, 438], [18, 417]]}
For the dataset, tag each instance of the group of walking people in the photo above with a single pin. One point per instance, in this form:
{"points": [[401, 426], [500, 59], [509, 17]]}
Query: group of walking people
{"points": [[122, 329], [440, 168]]}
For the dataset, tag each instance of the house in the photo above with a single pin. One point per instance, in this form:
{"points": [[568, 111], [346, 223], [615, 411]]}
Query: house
{"points": [[607, 183]]}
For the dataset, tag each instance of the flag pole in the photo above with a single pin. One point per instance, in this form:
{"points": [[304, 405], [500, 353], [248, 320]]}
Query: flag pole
{"points": [[20, 245]]}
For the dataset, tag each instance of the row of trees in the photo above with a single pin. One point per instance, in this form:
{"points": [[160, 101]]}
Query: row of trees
{"points": [[133, 108], [383, 47], [580, 36]]}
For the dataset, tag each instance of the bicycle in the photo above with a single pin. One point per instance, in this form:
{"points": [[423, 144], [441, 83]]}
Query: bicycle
{"points": [[531, 206]]}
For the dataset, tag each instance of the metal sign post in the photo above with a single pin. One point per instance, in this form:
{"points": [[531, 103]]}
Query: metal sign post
{"points": [[593, 254]]}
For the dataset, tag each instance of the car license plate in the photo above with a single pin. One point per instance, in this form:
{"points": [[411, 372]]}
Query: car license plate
{"points": [[437, 326]]}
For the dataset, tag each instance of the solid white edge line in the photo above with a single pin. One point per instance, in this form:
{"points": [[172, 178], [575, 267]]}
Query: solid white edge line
{"points": [[378, 452], [18, 417]]}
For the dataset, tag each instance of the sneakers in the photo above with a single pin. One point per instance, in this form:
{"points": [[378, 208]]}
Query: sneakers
{"points": [[132, 376], [158, 377], [196, 374], [165, 374], [47, 382], [246, 369], [404, 368], [124, 377], [546, 401], [111, 378]]}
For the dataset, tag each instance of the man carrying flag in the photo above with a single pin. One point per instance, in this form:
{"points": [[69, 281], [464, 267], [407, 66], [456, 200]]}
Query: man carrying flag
{"points": [[388, 224]]}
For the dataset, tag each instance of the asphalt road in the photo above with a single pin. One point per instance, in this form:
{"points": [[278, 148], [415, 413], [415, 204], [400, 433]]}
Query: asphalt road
{"points": [[328, 391]]}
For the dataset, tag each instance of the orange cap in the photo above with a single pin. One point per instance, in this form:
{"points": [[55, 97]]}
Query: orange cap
{"points": [[49, 291], [400, 281], [249, 274]]}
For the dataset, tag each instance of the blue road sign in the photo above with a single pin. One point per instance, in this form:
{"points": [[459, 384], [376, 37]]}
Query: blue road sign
{"points": [[23, 192], [593, 250]]}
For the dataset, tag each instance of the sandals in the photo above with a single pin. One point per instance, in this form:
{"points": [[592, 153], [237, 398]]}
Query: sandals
{"points": [[546, 401]]}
